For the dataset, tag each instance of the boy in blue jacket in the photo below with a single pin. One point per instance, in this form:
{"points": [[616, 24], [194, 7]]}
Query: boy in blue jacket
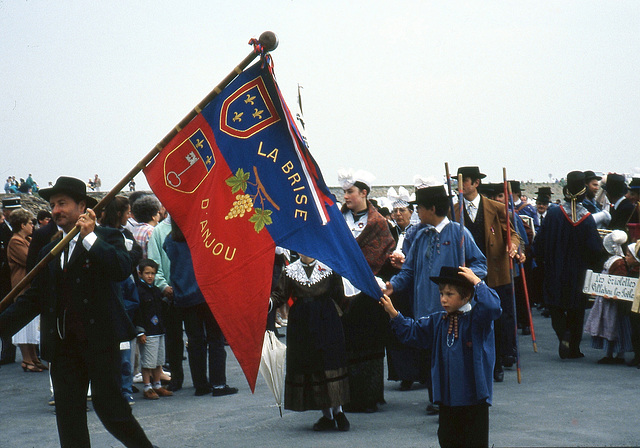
{"points": [[462, 342]]}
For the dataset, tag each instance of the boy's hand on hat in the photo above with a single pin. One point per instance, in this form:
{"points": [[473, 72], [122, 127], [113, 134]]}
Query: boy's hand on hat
{"points": [[386, 303], [87, 222], [469, 275]]}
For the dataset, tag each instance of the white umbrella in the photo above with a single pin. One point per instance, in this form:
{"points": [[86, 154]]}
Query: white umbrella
{"points": [[272, 365]]}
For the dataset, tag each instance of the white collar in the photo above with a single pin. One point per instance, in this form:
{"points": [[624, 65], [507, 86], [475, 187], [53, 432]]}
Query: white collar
{"points": [[618, 202], [465, 308], [442, 224], [475, 202]]}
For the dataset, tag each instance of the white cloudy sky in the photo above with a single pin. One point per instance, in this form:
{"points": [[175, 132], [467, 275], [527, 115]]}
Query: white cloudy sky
{"points": [[393, 87]]}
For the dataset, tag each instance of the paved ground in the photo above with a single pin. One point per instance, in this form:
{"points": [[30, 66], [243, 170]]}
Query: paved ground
{"points": [[558, 403]]}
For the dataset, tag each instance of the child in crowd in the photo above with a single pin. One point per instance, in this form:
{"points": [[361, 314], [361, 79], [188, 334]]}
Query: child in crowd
{"points": [[462, 342], [150, 325]]}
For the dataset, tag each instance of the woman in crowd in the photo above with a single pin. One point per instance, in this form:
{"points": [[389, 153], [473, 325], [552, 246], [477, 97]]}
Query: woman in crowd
{"points": [[316, 356], [28, 338]]}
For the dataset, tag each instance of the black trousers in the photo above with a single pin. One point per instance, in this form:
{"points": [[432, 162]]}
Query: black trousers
{"points": [[505, 325], [71, 370], [568, 325], [174, 344], [464, 426]]}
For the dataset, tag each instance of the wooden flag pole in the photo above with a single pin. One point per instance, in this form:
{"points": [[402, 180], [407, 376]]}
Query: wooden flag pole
{"points": [[268, 40]]}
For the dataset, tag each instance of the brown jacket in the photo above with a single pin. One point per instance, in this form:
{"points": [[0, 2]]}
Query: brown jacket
{"points": [[495, 242]]}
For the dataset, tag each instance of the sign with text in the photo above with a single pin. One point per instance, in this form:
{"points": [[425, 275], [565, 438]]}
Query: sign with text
{"points": [[609, 286]]}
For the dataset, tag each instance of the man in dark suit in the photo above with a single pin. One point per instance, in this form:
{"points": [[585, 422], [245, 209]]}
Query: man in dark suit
{"points": [[621, 207], [82, 320], [8, 354], [487, 221]]}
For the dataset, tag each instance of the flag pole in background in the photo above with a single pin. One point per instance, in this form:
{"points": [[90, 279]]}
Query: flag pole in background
{"points": [[268, 40]]}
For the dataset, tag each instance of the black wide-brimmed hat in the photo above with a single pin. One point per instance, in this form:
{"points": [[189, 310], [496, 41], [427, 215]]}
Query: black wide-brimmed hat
{"points": [[616, 184], [635, 183], [575, 183], [428, 196], [590, 175], [471, 171], [546, 191], [71, 186], [515, 186], [451, 275]]}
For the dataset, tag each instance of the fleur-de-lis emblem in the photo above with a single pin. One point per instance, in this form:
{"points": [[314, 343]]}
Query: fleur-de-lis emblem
{"points": [[249, 99], [237, 116], [208, 160], [199, 143], [258, 113]]}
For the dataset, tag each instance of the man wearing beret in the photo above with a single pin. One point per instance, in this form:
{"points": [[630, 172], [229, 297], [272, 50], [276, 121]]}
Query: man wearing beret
{"points": [[82, 319]]}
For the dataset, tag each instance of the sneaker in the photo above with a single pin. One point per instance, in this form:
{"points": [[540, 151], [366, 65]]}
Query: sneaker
{"points": [[150, 395], [342, 422], [226, 390], [324, 424], [137, 378], [162, 392], [129, 399]]}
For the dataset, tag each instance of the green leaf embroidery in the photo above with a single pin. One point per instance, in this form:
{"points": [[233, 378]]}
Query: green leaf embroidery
{"points": [[260, 219], [239, 181]]}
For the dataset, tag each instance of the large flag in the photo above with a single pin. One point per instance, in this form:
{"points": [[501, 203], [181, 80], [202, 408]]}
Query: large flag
{"points": [[239, 180]]}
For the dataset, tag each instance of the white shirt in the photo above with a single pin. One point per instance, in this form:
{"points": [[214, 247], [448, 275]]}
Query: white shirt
{"points": [[87, 242]]}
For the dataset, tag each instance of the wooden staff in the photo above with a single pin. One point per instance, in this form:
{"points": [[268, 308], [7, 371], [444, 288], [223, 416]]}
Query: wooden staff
{"points": [[268, 40], [461, 203], [452, 209], [507, 189], [524, 276]]}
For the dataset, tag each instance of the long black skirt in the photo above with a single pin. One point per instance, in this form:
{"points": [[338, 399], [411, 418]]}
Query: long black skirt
{"points": [[316, 357]]}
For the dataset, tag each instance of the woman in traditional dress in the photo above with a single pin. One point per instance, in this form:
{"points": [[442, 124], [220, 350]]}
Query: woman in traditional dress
{"points": [[365, 326], [609, 329], [28, 338], [316, 377]]}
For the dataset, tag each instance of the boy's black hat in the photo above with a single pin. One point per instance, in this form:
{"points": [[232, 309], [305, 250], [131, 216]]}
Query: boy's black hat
{"points": [[70, 186], [635, 183], [590, 175], [429, 196], [451, 275], [471, 171]]}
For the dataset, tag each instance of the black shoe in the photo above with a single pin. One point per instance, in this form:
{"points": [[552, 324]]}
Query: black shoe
{"points": [[498, 375], [134, 389], [635, 362], [508, 360], [546, 313], [526, 331], [563, 349], [174, 386], [606, 360], [433, 409], [343, 423], [405, 385], [575, 355], [200, 391], [222, 391], [324, 424], [4, 362]]}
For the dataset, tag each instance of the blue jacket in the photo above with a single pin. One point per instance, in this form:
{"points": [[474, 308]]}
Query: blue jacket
{"points": [[186, 292], [461, 368], [426, 256]]}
